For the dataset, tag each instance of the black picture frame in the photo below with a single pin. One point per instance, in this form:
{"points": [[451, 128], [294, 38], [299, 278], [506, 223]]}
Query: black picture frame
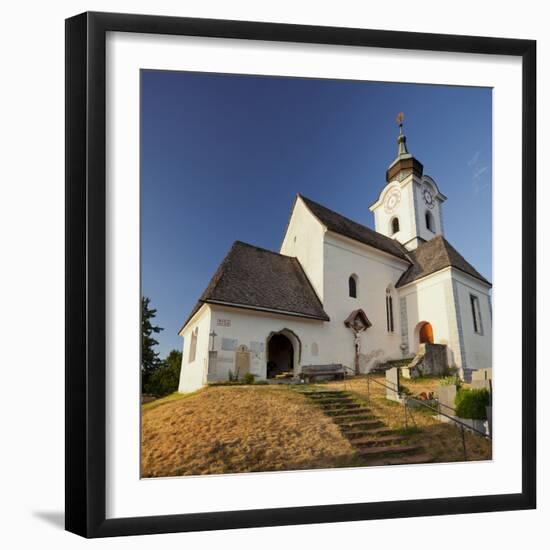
{"points": [[86, 268]]}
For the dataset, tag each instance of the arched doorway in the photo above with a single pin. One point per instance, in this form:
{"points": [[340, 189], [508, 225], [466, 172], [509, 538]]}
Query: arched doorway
{"points": [[280, 355], [426, 334]]}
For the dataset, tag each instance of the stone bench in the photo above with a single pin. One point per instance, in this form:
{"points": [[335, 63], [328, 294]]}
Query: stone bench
{"points": [[310, 372]]}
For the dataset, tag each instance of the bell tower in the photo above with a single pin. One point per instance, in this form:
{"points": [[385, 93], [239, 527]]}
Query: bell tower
{"points": [[409, 207]]}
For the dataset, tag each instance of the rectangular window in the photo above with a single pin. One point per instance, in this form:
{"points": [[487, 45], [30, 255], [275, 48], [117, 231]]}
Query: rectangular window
{"points": [[389, 313], [476, 314]]}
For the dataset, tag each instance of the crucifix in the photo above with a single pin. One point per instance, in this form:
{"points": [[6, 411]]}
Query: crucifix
{"points": [[357, 322], [212, 335]]}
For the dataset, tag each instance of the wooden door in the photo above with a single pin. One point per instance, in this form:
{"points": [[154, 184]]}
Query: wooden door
{"points": [[426, 334]]}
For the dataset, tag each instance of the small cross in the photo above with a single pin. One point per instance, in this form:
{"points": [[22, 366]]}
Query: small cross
{"points": [[212, 335]]}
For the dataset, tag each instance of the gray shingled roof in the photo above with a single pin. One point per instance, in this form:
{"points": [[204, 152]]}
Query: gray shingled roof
{"points": [[256, 278], [432, 256], [344, 226]]}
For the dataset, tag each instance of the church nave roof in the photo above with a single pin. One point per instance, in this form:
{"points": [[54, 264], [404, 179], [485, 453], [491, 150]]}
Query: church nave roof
{"points": [[256, 278], [434, 255]]}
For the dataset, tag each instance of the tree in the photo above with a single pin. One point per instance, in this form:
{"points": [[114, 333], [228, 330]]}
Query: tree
{"points": [[149, 356], [165, 379]]}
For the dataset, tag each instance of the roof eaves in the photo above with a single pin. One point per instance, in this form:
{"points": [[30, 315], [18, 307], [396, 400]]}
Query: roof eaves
{"points": [[402, 255], [323, 317], [422, 276]]}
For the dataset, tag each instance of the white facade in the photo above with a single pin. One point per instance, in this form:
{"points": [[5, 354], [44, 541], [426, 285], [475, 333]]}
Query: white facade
{"points": [[304, 239], [194, 371], [455, 304]]}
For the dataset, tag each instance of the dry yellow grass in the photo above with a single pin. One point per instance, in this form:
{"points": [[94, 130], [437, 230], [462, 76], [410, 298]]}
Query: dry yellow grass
{"points": [[239, 429], [442, 441]]}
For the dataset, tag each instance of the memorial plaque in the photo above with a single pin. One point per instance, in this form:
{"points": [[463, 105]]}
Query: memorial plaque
{"points": [[447, 396], [392, 384], [257, 347], [242, 361], [229, 344]]}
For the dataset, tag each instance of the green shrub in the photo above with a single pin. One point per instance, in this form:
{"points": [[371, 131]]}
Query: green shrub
{"points": [[453, 380], [472, 403], [248, 378], [164, 379]]}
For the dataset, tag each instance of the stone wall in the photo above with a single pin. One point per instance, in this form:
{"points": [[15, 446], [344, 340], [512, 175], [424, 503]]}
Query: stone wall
{"points": [[435, 360]]}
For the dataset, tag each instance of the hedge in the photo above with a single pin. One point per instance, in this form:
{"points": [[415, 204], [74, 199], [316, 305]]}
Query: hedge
{"points": [[472, 403]]}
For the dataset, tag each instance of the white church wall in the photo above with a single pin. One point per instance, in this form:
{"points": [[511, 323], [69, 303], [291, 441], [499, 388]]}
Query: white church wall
{"points": [[431, 300], [193, 373], [375, 270], [304, 240], [236, 327], [477, 345]]}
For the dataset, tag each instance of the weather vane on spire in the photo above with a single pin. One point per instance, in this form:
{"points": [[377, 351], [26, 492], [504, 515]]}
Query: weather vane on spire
{"points": [[401, 139], [400, 118]]}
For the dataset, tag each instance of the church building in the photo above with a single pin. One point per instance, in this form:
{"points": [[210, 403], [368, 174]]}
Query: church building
{"points": [[340, 293]]}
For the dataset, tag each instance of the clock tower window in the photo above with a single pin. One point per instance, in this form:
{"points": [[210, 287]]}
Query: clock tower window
{"points": [[430, 224], [395, 225]]}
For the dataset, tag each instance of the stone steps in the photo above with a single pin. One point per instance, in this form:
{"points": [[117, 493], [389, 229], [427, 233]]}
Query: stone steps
{"points": [[375, 423], [419, 458], [344, 421], [323, 395], [388, 449], [320, 394], [334, 401], [375, 441], [354, 413], [348, 407], [352, 435]]}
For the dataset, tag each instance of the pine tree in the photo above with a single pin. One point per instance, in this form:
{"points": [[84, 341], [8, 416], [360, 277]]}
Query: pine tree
{"points": [[149, 357], [165, 379]]}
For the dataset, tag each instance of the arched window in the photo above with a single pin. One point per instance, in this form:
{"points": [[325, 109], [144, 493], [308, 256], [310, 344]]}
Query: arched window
{"points": [[193, 346], [389, 311], [430, 221], [394, 226], [353, 286]]}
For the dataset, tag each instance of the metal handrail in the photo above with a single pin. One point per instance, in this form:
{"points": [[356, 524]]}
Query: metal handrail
{"points": [[382, 384], [462, 424], [446, 406], [487, 436]]}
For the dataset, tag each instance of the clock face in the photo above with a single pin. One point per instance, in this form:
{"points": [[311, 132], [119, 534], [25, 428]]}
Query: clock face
{"points": [[392, 200], [428, 199]]}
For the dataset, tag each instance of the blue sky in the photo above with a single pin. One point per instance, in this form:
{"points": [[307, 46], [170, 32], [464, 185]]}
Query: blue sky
{"points": [[222, 157]]}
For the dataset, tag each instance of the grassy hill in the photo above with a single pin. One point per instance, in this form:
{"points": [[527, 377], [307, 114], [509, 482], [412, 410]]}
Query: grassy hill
{"points": [[232, 429], [238, 429]]}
